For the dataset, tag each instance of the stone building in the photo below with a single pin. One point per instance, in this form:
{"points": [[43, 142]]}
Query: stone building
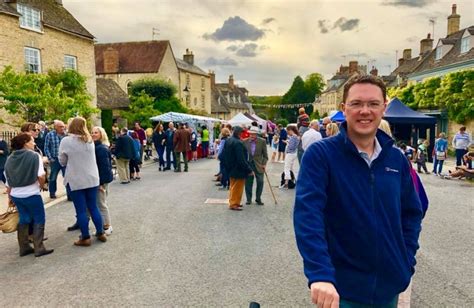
{"points": [[37, 36], [228, 99], [130, 61], [331, 98], [194, 84]]}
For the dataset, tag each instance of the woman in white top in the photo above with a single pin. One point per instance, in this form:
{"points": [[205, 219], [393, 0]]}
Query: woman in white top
{"points": [[25, 175], [77, 154]]}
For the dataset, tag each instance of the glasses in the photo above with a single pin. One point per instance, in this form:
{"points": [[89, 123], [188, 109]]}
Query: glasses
{"points": [[35, 129], [358, 105]]}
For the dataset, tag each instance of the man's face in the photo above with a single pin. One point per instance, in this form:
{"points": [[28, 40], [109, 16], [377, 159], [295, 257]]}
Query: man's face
{"points": [[364, 109], [253, 136], [137, 126], [170, 125], [60, 127]]}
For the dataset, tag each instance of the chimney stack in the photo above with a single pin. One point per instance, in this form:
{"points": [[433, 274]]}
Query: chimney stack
{"points": [[231, 81], [189, 57], [453, 21], [401, 61], [212, 74], [111, 61], [406, 54], [374, 71], [426, 45], [353, 67]]}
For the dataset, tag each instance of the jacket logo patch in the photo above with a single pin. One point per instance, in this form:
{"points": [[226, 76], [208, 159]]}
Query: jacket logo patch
{"points": [[391, 170]]}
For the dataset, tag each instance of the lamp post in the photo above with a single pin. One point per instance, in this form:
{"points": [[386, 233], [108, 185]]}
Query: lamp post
{"points": [[186, 95]]}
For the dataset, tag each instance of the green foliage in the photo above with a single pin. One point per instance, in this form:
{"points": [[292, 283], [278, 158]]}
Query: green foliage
{"points": [[107, 121], [297, 92], [269, 112], [140, 109], [315, 115], [34, 97], [314, 84], [454, 92], [283, 122], [262, 115]]}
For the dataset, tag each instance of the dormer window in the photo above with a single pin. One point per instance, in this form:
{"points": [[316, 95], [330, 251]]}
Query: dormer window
{"points": [[439, 53], [465, 44], [30, 18]]}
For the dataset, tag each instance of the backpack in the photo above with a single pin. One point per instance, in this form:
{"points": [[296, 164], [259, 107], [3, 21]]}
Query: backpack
{"points": [[291, 183]]}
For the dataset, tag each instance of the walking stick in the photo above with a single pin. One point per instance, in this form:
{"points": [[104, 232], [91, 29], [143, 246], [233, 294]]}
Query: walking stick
{"points": [[269, 185]]}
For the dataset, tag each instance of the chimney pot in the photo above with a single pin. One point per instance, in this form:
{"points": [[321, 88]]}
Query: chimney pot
{"points": [[426, 45], [407, 54], [231, 81], [453, 21], [188, 57], [111, 61]]}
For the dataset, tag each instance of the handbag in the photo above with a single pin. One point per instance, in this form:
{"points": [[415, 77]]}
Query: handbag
{"points": [[440, 155], [9, 220]]}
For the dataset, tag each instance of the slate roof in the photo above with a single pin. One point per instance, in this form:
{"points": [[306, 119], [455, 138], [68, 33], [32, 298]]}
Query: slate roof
{"points": [[134, 57], [110, 95], [185, 66], [453, 56], [54, 16], [335, 87], [407, 67], [219, 94]]}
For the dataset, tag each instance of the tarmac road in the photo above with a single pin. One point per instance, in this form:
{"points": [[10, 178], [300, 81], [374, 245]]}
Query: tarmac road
{"points": [[170, 248]]}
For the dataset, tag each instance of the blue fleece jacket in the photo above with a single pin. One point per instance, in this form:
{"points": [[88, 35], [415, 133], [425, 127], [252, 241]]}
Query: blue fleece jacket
{"points": [[357, 226]]}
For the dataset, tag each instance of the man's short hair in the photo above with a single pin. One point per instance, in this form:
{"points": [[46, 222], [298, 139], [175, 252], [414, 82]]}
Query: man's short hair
{"points": [[370, 79], [124, 130], [463, 128]]}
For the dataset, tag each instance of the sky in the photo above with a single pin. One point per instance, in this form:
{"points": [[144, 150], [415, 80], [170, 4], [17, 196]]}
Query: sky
{"points": [[265, 44]]}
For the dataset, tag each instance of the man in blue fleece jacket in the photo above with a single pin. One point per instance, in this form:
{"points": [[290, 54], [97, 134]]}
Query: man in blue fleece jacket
{"points": [[357, 216]]}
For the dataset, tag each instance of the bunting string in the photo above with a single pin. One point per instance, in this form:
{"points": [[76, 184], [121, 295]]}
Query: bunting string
{"points": [[283, 106]]}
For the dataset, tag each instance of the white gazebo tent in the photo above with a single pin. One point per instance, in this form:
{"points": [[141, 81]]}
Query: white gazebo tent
{"points": [[240, 119], [261, 122]]}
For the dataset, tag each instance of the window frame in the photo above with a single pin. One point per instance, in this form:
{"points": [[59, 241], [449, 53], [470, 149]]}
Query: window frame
{"points": [[438, 53], [29, 12], [27, 64], [75, 62], [465, 44]]}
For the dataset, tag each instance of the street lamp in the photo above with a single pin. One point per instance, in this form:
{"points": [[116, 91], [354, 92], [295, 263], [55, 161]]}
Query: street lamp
{"points": [[187, 95]]}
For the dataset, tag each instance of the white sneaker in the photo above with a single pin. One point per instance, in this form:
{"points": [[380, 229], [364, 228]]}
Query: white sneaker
{"points": [[109, 231]]}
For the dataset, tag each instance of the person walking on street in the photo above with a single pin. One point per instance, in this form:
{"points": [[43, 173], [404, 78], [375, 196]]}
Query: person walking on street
{"points": [[440, 153], [181, 142], [170, 147], [357, 215], [461, 142], [159, 139], [282, 143], [51, 150], [205, 141], [258, 157], [142, 140], [103, 159], [25, 176], [124, 151], [225, 135], [77, 152], [134, 163], [422, 156], [237, 166], [311, 136], [194, 143], [291, 153]]}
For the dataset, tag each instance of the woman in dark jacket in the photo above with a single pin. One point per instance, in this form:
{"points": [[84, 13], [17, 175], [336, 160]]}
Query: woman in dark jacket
{"points": [[25, 175], [104, 165], [159, 140]]}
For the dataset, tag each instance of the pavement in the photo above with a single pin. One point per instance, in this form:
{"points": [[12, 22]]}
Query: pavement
{"points": [[170, 248]]}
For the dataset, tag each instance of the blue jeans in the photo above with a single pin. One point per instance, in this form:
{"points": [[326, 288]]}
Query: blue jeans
{"points": [[348, 304], [224, 175], [86, 199], [459, 154], [160, 150], [53, 176], [31, 210], [205, 147], [170, 151], [438, 166]]}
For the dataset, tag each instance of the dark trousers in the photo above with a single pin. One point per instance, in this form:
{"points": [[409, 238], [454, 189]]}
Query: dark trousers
{"points": [[31, 210], [224, 175], [205, 148], [459, 154], [249, 186], [300, 154], [53, 176], [134, 166], [86, 200], [178, 160], [2, 176], [169, 151], [348, 304], [270, 138], [160, 150], [421, 164]]}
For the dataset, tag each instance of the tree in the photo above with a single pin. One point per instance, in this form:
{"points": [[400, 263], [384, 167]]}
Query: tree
{"points": [[456, 94], [140, 109], [162, 92], [34, 97], [425, 93], [297, 93], [314, 84]]}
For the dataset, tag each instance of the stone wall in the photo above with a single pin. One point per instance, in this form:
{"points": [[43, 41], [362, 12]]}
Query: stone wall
{"points": [[196, 91], [53, 45]]}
